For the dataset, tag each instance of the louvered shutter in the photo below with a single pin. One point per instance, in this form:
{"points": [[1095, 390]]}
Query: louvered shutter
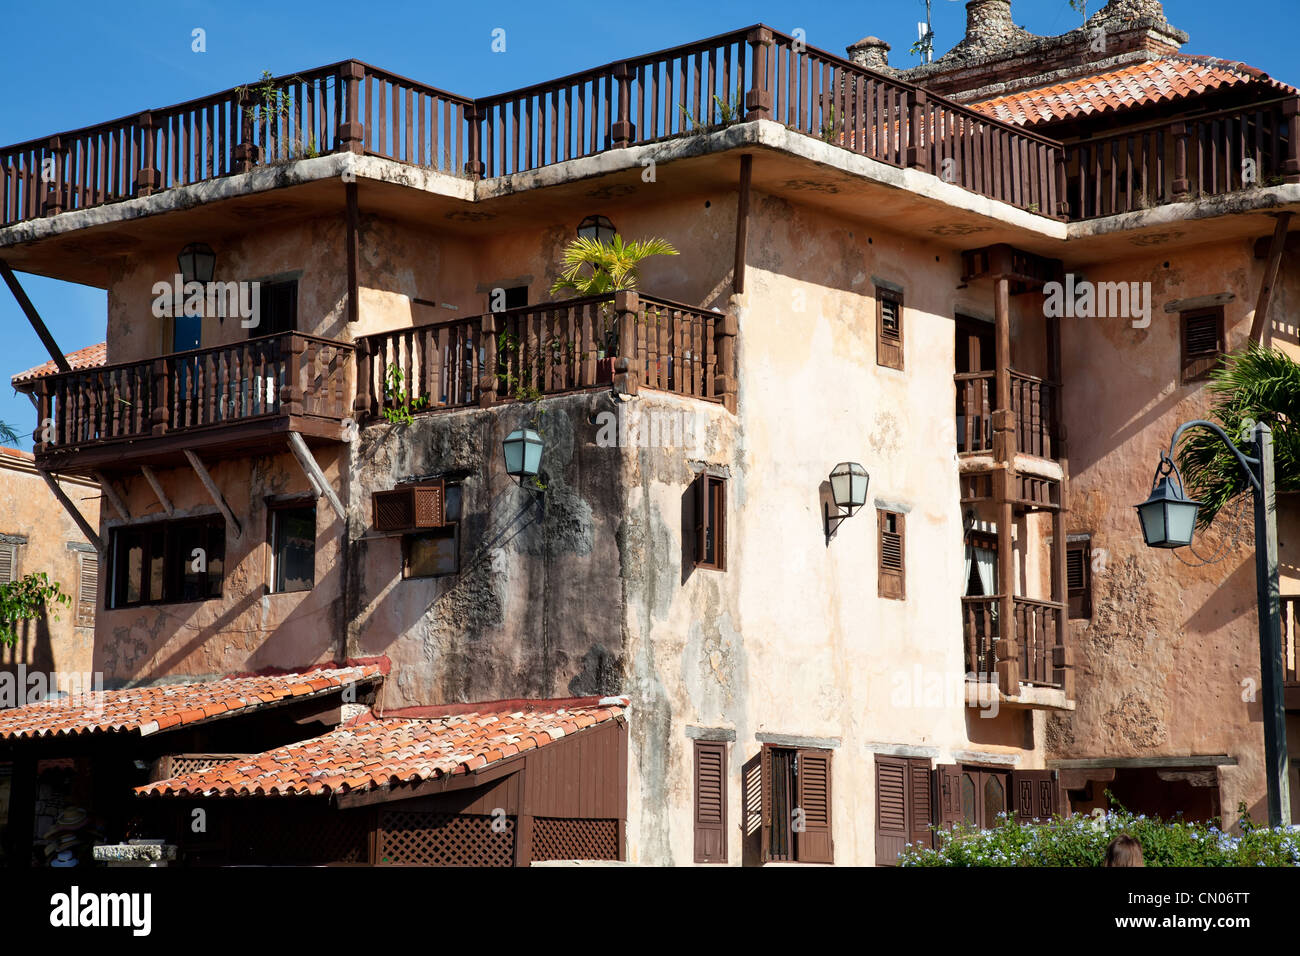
{"points": [[1078, 579], [1034, 794], [813, 843], [947, 795], [8, 562], [919, 810], [765, 795], [701, 499], [1202, 343], [87, 590], [892, 827], [751, 808], [889, 329], [710, 802], [893, 558]]}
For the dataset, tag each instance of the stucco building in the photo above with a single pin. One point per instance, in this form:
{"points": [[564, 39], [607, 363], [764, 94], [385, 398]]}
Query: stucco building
{"points": [[673, 644]]}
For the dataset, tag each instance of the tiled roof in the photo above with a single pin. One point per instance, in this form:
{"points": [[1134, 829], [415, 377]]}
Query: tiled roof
{"points": [[92, 356], [1156, 81], [381, 751], [148, 710]]}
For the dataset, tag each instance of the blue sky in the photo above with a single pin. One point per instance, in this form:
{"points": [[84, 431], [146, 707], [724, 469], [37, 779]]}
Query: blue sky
{"points": [[93, 62]]}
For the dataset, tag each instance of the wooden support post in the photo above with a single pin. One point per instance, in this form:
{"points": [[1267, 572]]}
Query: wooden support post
{"points": [[758, 99], [474, 166], [111, 494], [53, 202], [34, 317], [214, 492], [147, 177], [362, 404], [160, 415], [487, 383], [352, 131], [244, 152], [163, 500], [73, 511], [1181, 185], [291, 390], [917, 137], [742, 223], [314, 474], [622, 132], [725, 381], [1260, 331], [627, 377], [352, 217], [1004, 479]]}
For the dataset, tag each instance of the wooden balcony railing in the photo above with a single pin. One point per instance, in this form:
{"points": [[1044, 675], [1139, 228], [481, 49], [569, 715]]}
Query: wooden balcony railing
{"points": [[279, 375], [547, 349], [1031, 401], [1039, 630], [1291, 640], [1191, 158]]}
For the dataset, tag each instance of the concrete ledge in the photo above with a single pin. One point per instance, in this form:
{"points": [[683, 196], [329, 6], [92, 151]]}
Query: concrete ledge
{"points": [[900, 750], [1030, 697], [787, 740], [719, 734]]}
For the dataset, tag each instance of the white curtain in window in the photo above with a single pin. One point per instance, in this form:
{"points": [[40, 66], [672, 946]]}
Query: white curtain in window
{"points": [[986, 561], [965, 578]]}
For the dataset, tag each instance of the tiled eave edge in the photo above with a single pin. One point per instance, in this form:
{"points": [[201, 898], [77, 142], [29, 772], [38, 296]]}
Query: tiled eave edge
{"points": [[757, 134]]}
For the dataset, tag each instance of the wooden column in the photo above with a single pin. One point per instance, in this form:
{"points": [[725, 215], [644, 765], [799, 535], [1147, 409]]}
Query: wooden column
{"points": [[148, 179], [160, 414], [53, 204], [742, 223], [352, 132], [758, 100], [622, 132], [917, 155], [1062, 652], [363, 403], [487, 383], [1004, 480], [627, 378], [1181, 184], [291, 391], [351, 219], [474, 166]]}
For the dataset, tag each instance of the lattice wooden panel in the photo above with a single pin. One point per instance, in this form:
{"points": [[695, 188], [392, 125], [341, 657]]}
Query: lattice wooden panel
{"points": [[424, 838], [182, 764], [333, 836], [558, 838]]}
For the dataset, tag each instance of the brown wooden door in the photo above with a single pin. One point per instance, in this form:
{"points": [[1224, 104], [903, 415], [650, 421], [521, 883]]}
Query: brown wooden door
{"points": [[983, 794], [1035, 794], [812, 837]]}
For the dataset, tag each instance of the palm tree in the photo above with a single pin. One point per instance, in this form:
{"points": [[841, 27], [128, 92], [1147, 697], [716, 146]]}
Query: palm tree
{"points": [[1259, 384], [8, 435], [613, 265]]}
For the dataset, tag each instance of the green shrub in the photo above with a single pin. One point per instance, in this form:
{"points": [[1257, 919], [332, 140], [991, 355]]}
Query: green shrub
{"points": [[1080, 840]]}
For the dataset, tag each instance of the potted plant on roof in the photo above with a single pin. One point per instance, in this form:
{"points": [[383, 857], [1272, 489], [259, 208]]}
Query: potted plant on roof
{"points": [[599, 266]]}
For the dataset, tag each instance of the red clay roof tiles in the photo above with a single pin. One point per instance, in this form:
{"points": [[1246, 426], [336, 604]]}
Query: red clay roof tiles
{"points": [[376, 752], [92, 356], [1167, 79], [148, 710]]}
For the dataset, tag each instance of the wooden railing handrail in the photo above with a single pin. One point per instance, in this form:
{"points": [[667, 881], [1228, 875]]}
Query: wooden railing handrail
{"points": [[1038, 602], [1185, 118]]}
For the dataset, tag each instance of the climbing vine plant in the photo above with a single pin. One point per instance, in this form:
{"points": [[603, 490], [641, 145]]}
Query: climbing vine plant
{"points": [[26, 599]]}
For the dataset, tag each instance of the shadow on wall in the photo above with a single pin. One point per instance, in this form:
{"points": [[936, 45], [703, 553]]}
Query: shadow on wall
{"points": [[33, 648]]}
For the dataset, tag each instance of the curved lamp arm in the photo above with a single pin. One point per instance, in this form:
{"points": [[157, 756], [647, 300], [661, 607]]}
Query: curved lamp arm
{"points": [[1245, 461]]}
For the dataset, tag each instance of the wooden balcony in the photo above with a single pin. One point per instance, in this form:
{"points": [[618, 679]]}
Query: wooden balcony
{"points": [[1039, 633], [550, 349], [230, 398], [1031, 401]]}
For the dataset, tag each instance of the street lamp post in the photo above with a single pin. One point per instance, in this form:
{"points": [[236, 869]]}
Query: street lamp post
{"points": [[1164, 519]]}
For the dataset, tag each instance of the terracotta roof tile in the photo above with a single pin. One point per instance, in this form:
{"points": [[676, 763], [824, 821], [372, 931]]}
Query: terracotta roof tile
{"points": [[146, 710], [1168, 79], [372, 753], [92, 356]]}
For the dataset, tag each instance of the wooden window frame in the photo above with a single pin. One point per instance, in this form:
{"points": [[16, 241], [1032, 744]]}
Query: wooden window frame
{"points": [[710, 486], [84, 615], [1079, 599], [273, 511], [452, 528], [892, 581], [1199, 366], [173, 572], [710, 834], [889, 345]]}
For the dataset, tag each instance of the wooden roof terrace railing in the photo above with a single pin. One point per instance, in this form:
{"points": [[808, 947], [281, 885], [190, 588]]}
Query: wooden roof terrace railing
{"points": [[749, 74]]}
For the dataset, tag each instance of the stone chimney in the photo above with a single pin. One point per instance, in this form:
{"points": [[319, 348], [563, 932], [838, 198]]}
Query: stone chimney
{"points": [[989, 28], [870, 52], [1132, 10]]}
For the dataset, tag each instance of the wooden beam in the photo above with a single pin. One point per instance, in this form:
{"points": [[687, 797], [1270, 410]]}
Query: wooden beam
{"points": [[352, 217], [111, 494], [1264, 243], [163, 500], [34, 317], [314, 474], [742, 223], [214, 492], [1260, 332], [73, 511]]}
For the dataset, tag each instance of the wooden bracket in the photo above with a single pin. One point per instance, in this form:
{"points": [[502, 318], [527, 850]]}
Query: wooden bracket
{"points": [[34, 317], [73, 511], [163, 500], [1260, 332], [214, 492], [319, 483], [113, 497]]}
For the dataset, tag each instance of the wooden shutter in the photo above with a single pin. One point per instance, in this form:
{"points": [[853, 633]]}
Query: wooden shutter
{"points": [[1202, 343], [892, 555], [8, 562], [765, 796], [710, 489], [710, 802], [87, 590], [751, 807], [1035, 794], [889, 328], [947, 795], [892, 826], [813, 844], [919, 810], [1078, 578]]}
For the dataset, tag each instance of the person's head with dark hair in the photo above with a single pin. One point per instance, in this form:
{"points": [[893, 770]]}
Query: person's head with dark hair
{"points": [[1124, 850]]}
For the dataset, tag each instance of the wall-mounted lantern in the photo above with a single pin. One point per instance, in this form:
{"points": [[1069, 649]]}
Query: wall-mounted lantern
{"points": [[197, 262], [849, 482], [596, 227], [523, 454], [1168, 517]]}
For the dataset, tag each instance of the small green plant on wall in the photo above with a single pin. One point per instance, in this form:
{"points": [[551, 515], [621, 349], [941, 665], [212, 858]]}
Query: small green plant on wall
{"points": [[26, 600], [267, 103], [399, 409]]}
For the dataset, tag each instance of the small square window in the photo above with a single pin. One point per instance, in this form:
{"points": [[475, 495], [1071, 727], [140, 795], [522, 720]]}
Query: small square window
{"points": [[1202, 339], [293, 548], [1078, 577], [892, 560], [889, 328], [431, 554]]}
